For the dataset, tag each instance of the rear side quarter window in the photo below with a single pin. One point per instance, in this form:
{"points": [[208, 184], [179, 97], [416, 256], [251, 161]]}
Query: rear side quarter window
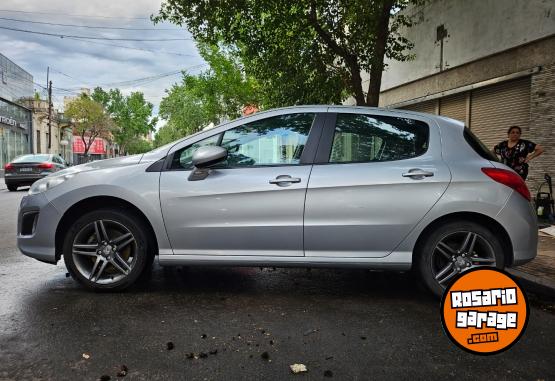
{"points": [[479, 147]]}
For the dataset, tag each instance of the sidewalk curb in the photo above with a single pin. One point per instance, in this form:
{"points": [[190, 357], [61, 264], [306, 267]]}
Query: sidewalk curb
{"points": [[534, 283]]}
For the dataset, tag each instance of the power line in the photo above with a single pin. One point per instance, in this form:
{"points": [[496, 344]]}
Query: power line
{"points": [[76, 15], [129, 47], [151, 78], [69, 76], [85, 26], [96, 38]]}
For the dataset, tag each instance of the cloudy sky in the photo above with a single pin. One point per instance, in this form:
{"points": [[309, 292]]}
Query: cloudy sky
{"points": [[76, 63]]}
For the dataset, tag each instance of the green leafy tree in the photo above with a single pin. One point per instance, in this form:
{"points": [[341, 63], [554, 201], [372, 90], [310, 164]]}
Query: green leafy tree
{"points": [[306, 51], [89, 120], [214, 95], [167, 134], [132, 115], [138, 145]]}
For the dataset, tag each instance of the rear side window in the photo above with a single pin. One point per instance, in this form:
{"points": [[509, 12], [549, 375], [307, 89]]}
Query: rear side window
{"points": [[367, 138], [478, 146]]}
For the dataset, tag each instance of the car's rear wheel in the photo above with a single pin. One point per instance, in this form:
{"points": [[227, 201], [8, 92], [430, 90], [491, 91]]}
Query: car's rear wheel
{"points": [[106, 250], [454, 248], [12, 187]]}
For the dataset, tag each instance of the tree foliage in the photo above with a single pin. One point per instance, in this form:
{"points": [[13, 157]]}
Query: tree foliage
{"points": [[89, 119], [212, 96], [302, 52], [132, 116], [138, 145]]}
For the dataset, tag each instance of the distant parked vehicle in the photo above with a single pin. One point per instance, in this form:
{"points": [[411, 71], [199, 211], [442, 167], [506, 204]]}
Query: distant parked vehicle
{"points": [[312, 186], [26, 169]]}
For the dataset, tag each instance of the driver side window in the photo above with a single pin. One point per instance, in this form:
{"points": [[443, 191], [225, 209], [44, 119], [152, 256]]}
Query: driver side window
{"points": [[278, 140]]}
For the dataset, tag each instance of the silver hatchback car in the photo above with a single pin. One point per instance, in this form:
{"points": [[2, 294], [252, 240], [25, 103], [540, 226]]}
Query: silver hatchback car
{"points": [[314, 186]]}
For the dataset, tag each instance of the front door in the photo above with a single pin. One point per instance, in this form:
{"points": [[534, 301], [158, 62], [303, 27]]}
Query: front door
{"points": [[252, 204]]}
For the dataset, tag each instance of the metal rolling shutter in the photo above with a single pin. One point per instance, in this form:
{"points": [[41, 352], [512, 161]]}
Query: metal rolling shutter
{"points": [[428, 106], [454, 107], [495, 108]]}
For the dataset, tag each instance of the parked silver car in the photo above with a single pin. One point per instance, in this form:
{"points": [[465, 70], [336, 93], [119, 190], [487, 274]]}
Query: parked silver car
{"points": [[26, 169], [312, 186]]}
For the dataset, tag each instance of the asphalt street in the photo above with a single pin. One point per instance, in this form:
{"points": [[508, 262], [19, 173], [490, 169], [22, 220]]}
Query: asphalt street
{"points": [[239, 323]]}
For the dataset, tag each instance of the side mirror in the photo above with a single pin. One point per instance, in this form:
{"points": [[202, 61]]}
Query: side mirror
{"points": [[203, 158], [209, 155]]}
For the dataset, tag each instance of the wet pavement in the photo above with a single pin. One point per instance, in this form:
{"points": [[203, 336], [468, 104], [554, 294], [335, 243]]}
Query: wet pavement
{"points": [[239, 323]]}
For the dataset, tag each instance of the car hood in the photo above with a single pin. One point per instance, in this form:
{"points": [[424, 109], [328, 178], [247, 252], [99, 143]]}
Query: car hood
{"points": [[101, 164]]}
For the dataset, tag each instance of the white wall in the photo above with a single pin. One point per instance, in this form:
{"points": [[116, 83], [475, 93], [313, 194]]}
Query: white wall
{"points": [[476, 28]]}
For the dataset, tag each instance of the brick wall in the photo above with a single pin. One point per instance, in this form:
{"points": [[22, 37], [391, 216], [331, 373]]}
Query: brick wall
{"points": [[542, 124]]}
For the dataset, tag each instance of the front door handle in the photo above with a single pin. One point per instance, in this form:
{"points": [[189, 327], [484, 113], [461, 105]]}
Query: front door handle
{"points": [[417, 174], [285, 180]]}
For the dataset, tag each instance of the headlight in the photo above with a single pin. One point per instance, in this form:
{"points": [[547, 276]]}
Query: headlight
{"points": [[48, 182]]}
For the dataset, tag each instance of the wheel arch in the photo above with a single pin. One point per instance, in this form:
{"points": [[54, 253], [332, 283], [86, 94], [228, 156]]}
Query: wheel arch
{"points": [[92, 203], [479, 218]]}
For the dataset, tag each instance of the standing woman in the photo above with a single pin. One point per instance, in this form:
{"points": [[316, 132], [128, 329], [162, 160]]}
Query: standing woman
{"points": [[516, 152]]}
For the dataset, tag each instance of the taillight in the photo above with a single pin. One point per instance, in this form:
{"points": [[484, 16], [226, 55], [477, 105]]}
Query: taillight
{"points": [[8, 167], [45, 165], [510, 179]]}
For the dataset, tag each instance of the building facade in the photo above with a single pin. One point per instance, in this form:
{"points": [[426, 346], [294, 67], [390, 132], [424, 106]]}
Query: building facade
{"points": [[61, 134], [15, 119], [488, 63]]}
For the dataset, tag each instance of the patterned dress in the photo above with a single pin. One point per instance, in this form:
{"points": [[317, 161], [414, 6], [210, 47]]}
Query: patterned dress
{"points": [[514, 157]]}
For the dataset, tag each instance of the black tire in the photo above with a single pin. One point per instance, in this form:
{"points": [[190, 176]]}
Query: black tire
{"points": [[429, 257], [140, 258], [12, 187]]}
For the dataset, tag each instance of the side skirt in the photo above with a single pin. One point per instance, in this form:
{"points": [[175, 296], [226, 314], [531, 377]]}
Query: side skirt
{"points": [[399, 261]]}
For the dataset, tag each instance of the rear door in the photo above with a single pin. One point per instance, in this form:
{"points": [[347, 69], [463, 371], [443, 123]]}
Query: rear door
{"points": [[375, 176]]}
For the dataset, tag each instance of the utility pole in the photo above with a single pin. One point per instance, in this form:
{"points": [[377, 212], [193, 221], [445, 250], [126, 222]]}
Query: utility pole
{"points": [[49, 85]]}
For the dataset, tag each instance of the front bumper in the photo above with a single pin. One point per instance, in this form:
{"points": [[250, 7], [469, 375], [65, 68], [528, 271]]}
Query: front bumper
{"points": [[36, 228]]}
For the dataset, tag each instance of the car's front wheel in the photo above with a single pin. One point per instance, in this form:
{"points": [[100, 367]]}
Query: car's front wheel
{"points": [[454, 248], [106, 250], [12, 187]]}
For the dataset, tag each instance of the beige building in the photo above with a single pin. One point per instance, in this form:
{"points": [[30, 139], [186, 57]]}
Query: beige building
{"points": [[41, 132], [488, 63]]}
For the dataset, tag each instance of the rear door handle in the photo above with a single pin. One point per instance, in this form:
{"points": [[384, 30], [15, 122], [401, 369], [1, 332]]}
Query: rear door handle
{"points": [[417, 174], [285, 180]]}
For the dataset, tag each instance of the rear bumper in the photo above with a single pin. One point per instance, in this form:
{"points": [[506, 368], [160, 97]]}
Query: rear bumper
{"points": [[13, 179], [36, 239], [519, 220]]}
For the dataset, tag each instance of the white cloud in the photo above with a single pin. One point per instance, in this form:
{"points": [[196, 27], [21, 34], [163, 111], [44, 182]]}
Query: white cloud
{"points": [[92, 64]]}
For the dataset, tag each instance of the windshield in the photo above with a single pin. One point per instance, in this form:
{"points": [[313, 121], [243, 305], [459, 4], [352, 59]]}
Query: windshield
{"points": [[31, 159]]}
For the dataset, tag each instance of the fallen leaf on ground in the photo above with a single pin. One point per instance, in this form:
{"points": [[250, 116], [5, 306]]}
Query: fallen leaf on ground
{"points": [[310, 331], [86, 356], [122, 371], [298, 368]]}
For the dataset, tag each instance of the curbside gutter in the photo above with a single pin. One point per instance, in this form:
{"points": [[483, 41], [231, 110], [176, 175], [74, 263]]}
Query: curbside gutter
{"points": [[534, 283]]}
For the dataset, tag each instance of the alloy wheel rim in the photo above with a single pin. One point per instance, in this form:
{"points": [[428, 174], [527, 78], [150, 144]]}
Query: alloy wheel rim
{"points": [[104, 251], [458, 252]]}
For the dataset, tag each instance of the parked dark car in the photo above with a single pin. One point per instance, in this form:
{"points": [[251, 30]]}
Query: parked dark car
{"points": [[26, 169]]}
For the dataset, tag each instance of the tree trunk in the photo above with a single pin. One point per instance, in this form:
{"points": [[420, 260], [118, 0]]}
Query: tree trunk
{"points": [[356, 80], [380, 44]]}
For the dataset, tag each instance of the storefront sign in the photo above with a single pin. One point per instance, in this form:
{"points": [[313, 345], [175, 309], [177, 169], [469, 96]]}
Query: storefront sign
{"points": [[98, 146], [11, 122]]}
